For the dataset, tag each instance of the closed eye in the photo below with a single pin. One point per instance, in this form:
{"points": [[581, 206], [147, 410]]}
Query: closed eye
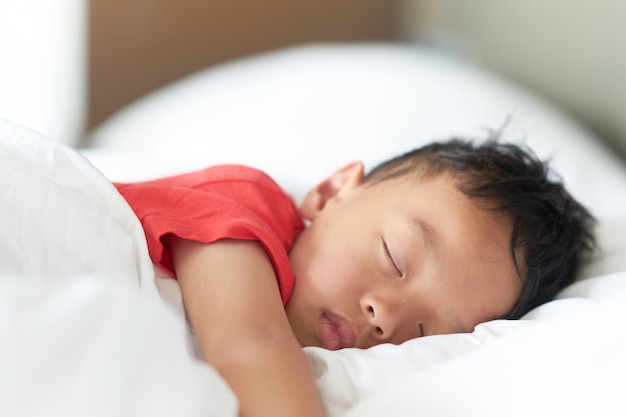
{"points": [[389, 256]]}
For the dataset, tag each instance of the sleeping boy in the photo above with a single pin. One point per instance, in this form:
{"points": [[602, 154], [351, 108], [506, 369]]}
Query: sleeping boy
{"points": [[435, 241]]}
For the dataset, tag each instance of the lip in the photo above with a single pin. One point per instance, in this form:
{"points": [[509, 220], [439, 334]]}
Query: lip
{"points": [[337, 332]]}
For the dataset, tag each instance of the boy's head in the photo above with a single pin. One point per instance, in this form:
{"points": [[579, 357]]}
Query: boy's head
{"points": [[551, 230], [434, 241]]}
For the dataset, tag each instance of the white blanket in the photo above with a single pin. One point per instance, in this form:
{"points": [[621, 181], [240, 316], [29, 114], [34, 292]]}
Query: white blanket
{"points": [[84, 331]]}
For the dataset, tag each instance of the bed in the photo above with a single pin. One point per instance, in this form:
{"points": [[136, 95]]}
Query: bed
{"points": [[90, 328]]}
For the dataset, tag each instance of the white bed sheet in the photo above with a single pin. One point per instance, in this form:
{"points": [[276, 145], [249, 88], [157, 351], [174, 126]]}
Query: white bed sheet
{"points": [[567, 357]]}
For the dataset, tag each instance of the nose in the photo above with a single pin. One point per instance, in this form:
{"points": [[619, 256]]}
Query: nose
{"points": [[383, 315]]}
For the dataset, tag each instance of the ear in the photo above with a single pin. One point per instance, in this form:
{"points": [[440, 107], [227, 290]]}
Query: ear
{"points": [[341, 181]]}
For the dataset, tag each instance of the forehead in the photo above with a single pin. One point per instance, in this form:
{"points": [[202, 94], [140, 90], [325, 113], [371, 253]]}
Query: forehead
{"points": [[438, 206], [418, 186], [441, 188]]}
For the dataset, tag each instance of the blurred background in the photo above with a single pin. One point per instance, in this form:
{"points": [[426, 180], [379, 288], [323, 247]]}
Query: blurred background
{"points": [[100, 55]]}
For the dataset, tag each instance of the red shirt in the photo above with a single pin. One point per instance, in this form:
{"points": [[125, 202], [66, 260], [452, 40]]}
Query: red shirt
{"points": [[226, 201]]}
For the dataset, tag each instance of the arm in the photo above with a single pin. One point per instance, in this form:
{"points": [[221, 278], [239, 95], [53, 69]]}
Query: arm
{"points": [[232, 298]]}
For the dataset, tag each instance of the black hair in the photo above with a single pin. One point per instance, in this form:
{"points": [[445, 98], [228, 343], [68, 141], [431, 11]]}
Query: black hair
{"points": [[553, 231]]}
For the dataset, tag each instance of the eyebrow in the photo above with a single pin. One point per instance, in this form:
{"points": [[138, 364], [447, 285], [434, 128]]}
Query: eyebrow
{"points": [[425, 232]]}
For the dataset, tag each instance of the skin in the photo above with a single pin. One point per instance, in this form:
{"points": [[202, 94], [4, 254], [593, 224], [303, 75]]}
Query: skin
{"points": [[232, 299], [367, 273], [397, 260]]}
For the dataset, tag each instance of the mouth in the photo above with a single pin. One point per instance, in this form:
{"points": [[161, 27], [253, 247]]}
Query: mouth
{"points": [[337, 332]]}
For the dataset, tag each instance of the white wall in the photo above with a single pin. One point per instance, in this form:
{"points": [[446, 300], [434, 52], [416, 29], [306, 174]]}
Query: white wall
{"points": [[572, 51], [43, 47]]}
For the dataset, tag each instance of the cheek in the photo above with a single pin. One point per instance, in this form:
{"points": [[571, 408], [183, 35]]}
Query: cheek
{"points": [[326, 270]]}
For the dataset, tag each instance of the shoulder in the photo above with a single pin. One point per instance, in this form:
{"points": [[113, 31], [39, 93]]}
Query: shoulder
{"points": [[234, 172], [225, 174], [217, 178]]}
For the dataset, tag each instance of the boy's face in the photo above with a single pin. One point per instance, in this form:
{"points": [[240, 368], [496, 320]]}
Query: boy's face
{"points": [[396, 260]]}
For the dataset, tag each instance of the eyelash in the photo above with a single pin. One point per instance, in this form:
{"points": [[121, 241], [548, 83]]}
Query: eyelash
{"points": [[390, 257]]}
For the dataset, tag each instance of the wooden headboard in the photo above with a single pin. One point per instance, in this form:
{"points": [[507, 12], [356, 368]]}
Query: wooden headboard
{"points": [[138, 45]]}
